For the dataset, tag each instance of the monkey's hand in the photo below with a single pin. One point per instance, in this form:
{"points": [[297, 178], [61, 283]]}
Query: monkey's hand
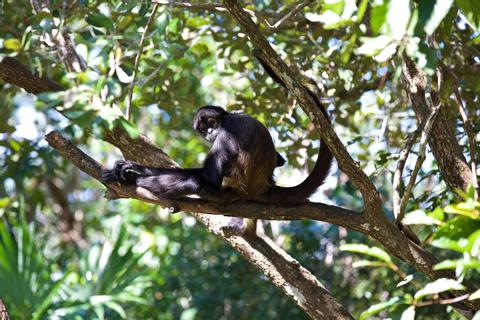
{"points": [[123, 171]]}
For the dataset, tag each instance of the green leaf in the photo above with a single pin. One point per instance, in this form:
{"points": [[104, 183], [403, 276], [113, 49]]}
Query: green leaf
{"points": [[99, 20], [471, 10], [376, 308], [408, 314], [398, 17], [368, 263], [467, 209], [371, 251], [475, 295], [373, 46], [454, 264], [405, 281], [457, 228], [419, 217], [447, 264], [12, 44], [378, 16], [432, 12], [447, 243], [437, 286], [129, 128], [473, 244]]}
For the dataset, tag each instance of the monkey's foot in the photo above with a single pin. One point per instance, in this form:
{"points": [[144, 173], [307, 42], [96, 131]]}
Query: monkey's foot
{"points": [[233, 227]]}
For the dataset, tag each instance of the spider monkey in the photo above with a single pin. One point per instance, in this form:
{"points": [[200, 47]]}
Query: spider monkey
{"points": [[239, 165]]}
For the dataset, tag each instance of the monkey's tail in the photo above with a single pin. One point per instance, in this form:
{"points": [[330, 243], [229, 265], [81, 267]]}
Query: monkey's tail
{"points": [[301, 192]]}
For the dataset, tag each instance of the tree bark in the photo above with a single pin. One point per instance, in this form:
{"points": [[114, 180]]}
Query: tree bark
{"points": [[445, 148]]}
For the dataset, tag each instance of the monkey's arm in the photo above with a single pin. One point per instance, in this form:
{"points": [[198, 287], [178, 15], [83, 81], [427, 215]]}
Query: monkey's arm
{"points": [[219, 159], [167, 183]]}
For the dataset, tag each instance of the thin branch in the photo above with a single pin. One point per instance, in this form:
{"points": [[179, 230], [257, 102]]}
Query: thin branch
{"points": [[443, 301], [402, 159], [418, 164], [289, 14], [137, 60], [400, 202]]}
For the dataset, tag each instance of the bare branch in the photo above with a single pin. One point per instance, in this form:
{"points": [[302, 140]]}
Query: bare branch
{"points": [[137, 60], [289, 14], [14, 72], [443, 143], [402, 159], [418, 164]]}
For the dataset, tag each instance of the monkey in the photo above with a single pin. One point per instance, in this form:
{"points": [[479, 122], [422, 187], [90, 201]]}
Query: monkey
{"points": [[239, 165]]}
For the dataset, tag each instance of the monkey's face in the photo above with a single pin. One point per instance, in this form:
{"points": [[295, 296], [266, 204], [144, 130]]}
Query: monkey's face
{"points": [[207, 122], [208, 127]]}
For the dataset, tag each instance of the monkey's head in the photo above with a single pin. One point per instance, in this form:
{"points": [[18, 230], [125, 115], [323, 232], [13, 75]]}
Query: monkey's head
{"points": [[208, 120]]}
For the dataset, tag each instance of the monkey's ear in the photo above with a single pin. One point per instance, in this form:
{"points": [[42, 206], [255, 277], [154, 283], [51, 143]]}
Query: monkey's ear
{"points": [[280, 160]]}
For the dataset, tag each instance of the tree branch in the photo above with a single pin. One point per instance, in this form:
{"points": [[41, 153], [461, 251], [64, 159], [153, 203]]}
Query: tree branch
{"points": [[244, 209], [399, 204], [466, 124], [443, 143]]}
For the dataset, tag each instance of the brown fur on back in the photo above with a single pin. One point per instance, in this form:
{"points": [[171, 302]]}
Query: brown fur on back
{"points": [[252, 171]]}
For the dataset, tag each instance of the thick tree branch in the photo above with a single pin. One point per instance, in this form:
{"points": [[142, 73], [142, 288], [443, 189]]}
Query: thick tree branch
{"points": [[443, 143], [466, 124], [308, 211], [345, 161]]}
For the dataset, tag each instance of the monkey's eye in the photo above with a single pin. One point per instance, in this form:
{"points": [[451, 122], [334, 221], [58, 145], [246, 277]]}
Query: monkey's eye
{"points": [[212, 122]]}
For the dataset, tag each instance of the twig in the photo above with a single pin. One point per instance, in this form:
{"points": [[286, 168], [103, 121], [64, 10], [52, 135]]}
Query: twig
{"points": [[289, 14], [137, 60], [397, 177], [443, 301], [421, 154]]}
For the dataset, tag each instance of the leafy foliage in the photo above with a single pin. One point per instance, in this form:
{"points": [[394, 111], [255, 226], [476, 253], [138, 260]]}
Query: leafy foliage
{"points": [[67, 252]]}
